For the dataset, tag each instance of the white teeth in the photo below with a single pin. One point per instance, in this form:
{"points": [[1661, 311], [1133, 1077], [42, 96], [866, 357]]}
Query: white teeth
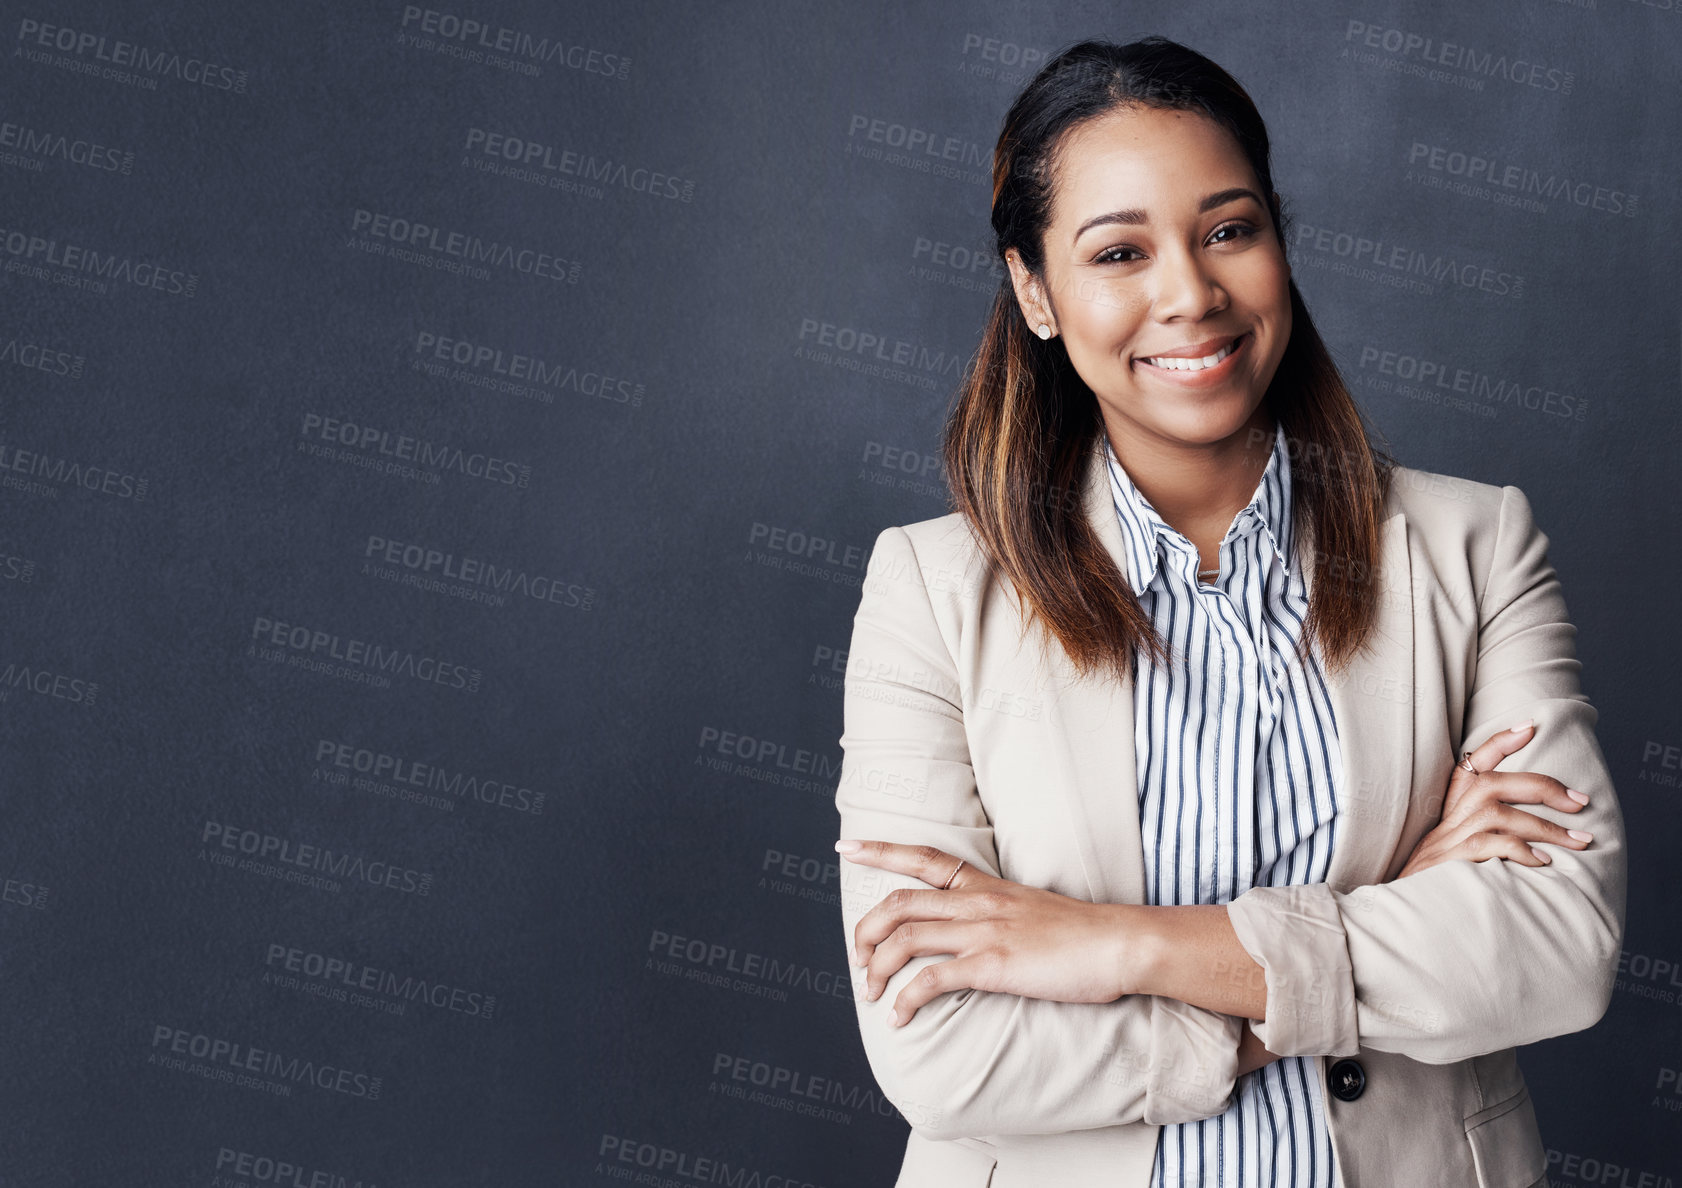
{"points": [[1196, 364]]}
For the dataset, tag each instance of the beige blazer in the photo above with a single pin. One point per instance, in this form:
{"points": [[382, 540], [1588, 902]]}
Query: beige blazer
{"points": [[959, 734]]}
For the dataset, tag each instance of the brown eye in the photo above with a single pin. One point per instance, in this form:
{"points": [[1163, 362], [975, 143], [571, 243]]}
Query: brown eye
{"points": [[1244, 231]]}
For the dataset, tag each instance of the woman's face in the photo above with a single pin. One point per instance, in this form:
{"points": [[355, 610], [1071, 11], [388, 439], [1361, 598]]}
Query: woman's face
{"points": [[1161, 244]]}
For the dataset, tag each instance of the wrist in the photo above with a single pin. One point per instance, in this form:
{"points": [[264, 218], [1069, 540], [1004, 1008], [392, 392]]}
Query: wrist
{"points": [[1250, 1050], [1252, 1053], [1135, 948]]}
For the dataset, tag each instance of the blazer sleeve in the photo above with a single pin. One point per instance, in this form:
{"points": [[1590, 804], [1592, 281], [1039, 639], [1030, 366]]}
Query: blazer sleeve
{"points": [[1467, 958], [972, 1063]]}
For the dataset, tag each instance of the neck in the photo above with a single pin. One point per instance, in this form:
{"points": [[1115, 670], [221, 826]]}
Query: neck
{"points": [[1200, 488]]}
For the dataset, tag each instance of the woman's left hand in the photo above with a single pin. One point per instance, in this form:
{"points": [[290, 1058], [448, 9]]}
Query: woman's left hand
{"points": [[1003, 936]]}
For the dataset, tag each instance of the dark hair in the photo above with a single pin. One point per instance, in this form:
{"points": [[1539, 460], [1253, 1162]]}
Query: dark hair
{"points": [[1024, 424]]}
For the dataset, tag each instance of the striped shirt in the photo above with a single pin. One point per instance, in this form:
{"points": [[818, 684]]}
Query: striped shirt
{"points": [[1238, 765]]}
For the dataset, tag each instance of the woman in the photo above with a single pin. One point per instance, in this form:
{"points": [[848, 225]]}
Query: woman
{"points": [[1158, 865]]}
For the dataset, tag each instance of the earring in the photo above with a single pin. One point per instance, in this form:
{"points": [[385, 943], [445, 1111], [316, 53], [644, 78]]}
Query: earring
{"points": [[1044, 331]]}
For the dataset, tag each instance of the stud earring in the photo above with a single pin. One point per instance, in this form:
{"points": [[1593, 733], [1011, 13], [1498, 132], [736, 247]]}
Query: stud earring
{"points": [[1044, 331]]}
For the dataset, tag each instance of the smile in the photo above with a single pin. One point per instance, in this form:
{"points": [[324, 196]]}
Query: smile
{"points": [[1173, 363]]}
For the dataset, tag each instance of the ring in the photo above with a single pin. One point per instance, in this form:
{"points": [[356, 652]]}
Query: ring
{"points": [[953, 875], [1466, 762]]}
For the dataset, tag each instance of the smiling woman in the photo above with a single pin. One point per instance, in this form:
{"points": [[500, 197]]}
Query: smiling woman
{"points": [[1158, 867]]}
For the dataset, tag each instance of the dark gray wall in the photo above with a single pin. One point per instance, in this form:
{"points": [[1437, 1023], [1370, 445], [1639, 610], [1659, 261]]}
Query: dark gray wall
{"points": [[292, 356]]}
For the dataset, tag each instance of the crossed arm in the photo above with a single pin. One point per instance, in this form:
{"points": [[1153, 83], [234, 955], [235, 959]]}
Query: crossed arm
{"points": [[1430, 966]]}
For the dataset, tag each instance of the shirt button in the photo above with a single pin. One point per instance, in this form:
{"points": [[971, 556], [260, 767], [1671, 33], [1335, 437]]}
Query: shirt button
{"points": [[1348, 1079]]}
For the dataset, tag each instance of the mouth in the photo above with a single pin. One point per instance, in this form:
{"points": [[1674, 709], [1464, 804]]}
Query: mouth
{"points": [[1215, 361]]}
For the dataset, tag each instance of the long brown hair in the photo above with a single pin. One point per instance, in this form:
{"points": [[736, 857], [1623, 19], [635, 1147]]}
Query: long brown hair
{"points": [[1024, 425]]}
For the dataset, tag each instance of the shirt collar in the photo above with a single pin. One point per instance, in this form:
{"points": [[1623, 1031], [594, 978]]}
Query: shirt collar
{"points": [[1145, 534]]}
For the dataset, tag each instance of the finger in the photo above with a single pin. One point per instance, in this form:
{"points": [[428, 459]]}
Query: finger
{"points": [[922, 938], [1499, 745], [933, 979], [1516, 822], [896, 908], [1528, 787], [929, 863], [1528, 827], [1481, 847], [1462, 781]]}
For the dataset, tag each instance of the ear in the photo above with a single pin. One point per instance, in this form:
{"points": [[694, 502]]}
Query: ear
{"points": [[1030, 294]]}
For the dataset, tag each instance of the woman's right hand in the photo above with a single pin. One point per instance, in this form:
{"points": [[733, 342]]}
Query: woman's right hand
{"points": [[1479, 821]]}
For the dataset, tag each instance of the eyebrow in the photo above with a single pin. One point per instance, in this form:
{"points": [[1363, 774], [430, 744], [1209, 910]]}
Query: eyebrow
{"points": [[1133, 216]]}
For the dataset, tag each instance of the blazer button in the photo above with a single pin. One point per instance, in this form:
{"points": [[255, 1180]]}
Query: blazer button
{"points": [[1348, 1079]]}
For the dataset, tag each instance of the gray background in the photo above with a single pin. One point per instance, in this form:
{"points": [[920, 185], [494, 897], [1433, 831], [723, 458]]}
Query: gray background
{"points": [[697, 481]]}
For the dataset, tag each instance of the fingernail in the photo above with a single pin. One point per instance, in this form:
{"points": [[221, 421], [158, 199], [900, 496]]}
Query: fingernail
{"points": [[1576, 795], [1524, 725], [893, 1017], [1540, 854], [846, 845], [1580, 835]]}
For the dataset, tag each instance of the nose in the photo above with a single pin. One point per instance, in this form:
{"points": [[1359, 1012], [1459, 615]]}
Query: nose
{"points": [[1187, 288]]}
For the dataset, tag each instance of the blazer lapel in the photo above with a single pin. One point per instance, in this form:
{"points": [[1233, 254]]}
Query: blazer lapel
{"points": [[1373, 702], [1090, 728]]}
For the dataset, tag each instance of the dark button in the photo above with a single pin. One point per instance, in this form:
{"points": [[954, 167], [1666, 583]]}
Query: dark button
{"points": [[1348, 1079]]}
